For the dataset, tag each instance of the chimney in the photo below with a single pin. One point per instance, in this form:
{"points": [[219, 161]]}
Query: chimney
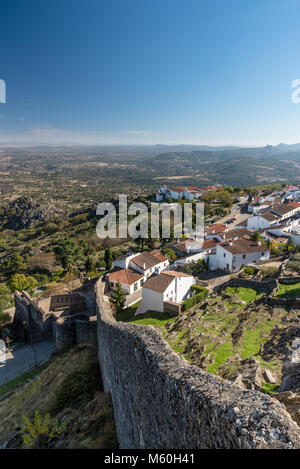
{"points": [[230, 243], [144, 266], [259, 242]]}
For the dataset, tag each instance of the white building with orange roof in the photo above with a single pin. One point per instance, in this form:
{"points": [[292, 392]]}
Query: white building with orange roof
{"points": [[169, 287], [132, 270]]}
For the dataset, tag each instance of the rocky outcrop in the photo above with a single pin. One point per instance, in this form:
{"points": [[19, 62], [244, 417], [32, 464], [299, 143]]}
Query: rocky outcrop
{"points": [[25, 212]]}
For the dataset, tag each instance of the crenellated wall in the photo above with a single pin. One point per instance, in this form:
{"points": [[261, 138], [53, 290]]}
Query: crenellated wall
{"points": [[160, 401]]}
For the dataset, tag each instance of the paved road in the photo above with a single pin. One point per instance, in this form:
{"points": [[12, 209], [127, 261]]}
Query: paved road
{"points": [[23, 359], [236, 213]]}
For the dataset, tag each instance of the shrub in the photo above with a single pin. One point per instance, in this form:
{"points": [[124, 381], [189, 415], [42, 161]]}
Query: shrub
{"points": [[249, 270], [190, 302], [269, 272], [42, 429], [198, 289]]}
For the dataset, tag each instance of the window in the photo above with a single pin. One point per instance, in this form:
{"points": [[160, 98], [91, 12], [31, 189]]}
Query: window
{"points": [[224, 254], [244, 256], [135, 286], [263, 253]]}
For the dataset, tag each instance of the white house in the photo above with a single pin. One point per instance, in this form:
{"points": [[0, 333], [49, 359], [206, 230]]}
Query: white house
{"points": [[232, 254], [285, 211], [264, 220], [132, 271], [187, 246], [169, 286], [145, 263], [130, 280]]}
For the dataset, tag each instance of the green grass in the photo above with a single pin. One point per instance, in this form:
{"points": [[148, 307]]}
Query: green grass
{"points": [[289, 291], [127, 314], [17, 382], [220, 354], [151, 318], [244, 294], [269, 388]]}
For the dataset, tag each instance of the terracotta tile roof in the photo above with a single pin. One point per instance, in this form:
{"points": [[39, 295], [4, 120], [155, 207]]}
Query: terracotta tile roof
{"points": [[242, 246], [159, 256], [210, 243], [158, 283], [216, 228], [161, 282], [236, 233], [283, 209], [125, 276], [269, 216], [149, 259]]}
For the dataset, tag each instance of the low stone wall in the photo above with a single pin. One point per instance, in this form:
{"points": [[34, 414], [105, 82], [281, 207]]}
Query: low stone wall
{"points": [[160, 401], [289, 280], [270, 285], [282, 302], [172, 308]]}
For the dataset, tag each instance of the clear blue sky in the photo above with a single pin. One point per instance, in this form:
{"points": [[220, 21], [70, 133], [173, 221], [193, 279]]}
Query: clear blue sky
{"points": [[150, 71]]}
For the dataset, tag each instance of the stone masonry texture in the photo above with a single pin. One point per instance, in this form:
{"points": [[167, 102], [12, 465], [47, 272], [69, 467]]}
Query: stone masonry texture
{"points": [[162, 402]]}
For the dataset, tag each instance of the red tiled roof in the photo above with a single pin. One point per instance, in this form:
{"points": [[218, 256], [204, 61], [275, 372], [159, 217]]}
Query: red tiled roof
{"points": [[242, 246], [125, 276], [283, 209], [216, 228], [236, 233], [269, 216], [210, 243], [158, 283], [150, 259]]}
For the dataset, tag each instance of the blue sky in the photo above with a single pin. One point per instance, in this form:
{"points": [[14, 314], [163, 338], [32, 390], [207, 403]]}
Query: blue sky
{"points": [[150, 71]]}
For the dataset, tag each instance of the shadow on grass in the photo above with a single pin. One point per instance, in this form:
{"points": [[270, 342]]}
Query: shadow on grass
{"points": [[151, 318]]}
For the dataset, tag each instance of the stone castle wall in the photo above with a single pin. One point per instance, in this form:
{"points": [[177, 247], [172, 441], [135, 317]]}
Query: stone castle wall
{"points": [[68, 332], [160, 401]]}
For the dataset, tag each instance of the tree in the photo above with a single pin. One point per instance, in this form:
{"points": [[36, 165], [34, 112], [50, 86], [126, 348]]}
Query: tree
{"points": [[195, 267], [89, 264], [108, 258], [5, 296], [4, 320], [290, 245], [255, 236], [170, 254], [14, 264], [22, 282], [117, 299], [67, 252], [37, 433]]}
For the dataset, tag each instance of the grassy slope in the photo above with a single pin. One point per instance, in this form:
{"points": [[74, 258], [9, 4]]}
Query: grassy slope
{"points": [[289, 291], [220, 333], [68, 387], [151, 318]]}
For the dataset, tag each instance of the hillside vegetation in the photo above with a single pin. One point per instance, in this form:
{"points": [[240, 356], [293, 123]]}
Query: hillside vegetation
{"points": [[229, 333], [69, 390]]}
